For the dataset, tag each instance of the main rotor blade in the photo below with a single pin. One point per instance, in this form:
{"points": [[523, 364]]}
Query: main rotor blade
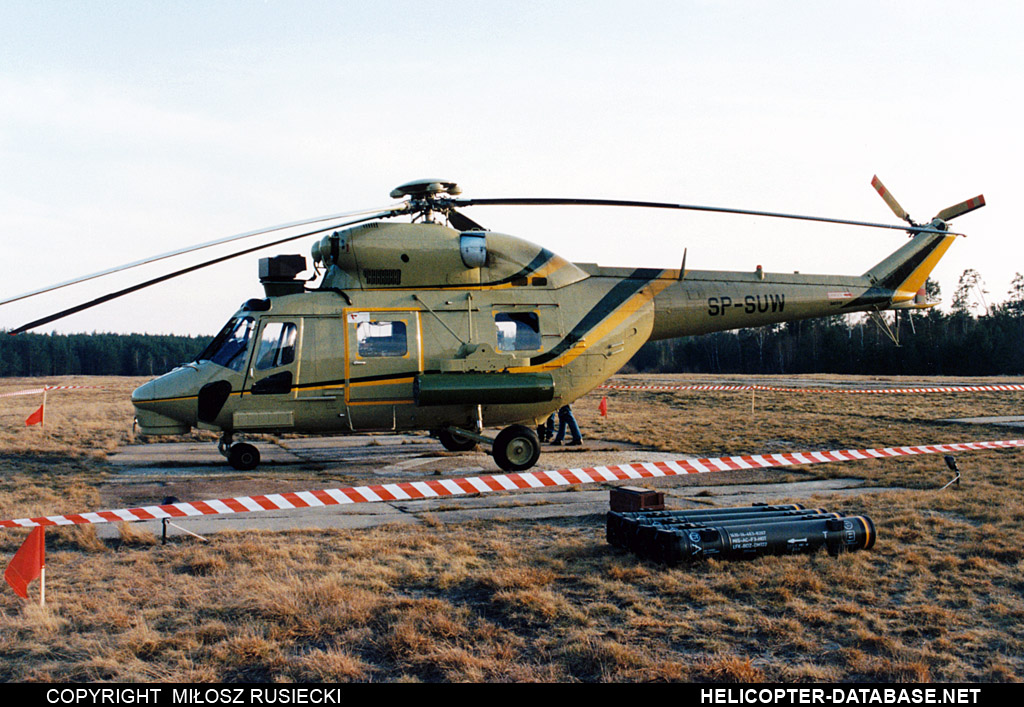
{"points": [[190, 249], [951, 212], [461, 222], [184, 271], [890, 199], [684, 207]]}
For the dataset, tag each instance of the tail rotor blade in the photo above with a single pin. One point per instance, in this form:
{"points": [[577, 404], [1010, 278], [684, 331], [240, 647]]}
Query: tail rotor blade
{"points": [[890, 199], [951, 212]]}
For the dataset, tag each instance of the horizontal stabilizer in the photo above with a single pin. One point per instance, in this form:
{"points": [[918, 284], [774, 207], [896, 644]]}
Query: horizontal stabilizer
{"points": [[911, 304]]}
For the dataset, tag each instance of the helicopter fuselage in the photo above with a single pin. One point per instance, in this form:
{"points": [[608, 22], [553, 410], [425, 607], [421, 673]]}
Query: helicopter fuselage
{"points": [[423, 327]]}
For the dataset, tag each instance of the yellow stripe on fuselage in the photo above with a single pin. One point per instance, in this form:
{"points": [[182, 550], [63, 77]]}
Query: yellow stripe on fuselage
{"points": [[604, 328]]}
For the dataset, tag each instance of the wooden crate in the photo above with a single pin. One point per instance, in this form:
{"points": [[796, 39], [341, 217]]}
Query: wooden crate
{"points": [[629, 499]]}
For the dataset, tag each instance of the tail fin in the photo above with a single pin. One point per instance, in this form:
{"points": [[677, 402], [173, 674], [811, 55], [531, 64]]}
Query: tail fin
{"points": [[905, 271]]}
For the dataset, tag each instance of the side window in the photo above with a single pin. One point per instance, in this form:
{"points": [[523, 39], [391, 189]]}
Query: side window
{"points": [[277, 345], [518, 331], [376, 339]]}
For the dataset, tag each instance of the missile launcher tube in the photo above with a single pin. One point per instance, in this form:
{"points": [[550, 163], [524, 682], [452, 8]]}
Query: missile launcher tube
{"points": [[757, 539], [621, 526], [642, 536]]}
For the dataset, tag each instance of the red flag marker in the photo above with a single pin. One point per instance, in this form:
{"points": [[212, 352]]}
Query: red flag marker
{"points": [[603, 407], [36, 418], [28, 564]]}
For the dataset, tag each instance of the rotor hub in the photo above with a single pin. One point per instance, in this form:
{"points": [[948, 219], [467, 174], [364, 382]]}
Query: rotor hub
{"points": [[427, 196], [426, 189]]}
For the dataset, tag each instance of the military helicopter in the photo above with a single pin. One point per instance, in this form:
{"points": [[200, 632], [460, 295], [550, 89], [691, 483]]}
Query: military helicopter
{"points": [[439, 324]]}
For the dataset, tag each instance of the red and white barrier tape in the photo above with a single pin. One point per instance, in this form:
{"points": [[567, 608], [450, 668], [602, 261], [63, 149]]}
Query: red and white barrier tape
{"points": [[415, 490], [74, 387], [31, 391], [891, 391], [36, 391]]}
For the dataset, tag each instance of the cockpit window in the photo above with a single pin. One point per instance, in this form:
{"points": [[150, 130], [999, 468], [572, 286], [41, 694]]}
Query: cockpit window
{"points": [[228, 347], [277, 345]]}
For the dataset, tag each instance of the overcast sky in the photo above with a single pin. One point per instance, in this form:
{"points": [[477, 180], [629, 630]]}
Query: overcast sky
{"points": [[133, 128]]}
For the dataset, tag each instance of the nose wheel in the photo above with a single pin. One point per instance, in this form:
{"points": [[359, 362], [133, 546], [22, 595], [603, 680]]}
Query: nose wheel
{"points": [[242, 456]]}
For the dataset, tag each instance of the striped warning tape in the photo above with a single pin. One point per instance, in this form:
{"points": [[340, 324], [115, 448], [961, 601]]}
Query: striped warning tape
{"points": [[74, 387], [31, 391], [891, 391], [415, 490], [45, 388]]}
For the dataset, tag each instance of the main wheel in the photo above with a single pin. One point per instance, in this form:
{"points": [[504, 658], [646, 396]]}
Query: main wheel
{"points": [[243, 457], [516, 448], [455, 442]]}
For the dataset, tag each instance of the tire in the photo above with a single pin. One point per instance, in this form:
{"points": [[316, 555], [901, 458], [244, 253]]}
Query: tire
{"points": [[243, 457], [455, 443], [516, 448]]}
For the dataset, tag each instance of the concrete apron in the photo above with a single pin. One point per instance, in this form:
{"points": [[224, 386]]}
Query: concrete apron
{"points": [[146, 474]]}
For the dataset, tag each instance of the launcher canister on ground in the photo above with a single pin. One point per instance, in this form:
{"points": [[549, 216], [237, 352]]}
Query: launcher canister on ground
{"points": [[758, 538], [642, 538], [622, 525]]}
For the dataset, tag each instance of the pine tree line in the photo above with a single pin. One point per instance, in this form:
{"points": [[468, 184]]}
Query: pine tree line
{"points": [[95, 354], [973, 338]]}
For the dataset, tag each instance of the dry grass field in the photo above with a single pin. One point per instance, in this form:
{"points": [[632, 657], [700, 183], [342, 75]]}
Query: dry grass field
{"points": [[939, 598]]}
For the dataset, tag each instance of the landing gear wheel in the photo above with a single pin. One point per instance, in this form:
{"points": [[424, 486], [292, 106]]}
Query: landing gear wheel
{"points": [[454, 442], [516, 448], [243, 457]]}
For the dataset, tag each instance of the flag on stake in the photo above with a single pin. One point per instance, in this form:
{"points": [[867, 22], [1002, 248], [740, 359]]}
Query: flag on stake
{"points": [[603, 407], [28, 564], [36, 418]]}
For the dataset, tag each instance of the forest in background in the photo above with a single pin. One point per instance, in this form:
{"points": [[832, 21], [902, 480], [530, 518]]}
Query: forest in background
{"points": [[96, 354], [974, 338]]}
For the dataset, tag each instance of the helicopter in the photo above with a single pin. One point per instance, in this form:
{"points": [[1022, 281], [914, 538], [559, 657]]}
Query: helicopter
{"points": [[442, 325]]}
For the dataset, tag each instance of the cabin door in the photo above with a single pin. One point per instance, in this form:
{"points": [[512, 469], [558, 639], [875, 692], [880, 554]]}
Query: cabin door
{"points": [[267, 400], [384, 356]]}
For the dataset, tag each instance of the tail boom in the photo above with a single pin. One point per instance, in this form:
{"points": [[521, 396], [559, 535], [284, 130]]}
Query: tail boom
{"points": [[701, 302]]}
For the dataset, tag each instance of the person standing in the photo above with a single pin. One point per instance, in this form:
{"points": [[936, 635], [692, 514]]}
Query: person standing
{"points": [[567, 420]]}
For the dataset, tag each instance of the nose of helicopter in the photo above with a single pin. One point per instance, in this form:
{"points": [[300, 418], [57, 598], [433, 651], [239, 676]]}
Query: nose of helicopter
{"points": [[167, 405]]}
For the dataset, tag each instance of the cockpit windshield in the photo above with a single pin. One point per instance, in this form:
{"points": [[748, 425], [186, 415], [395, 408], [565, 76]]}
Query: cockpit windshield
{"points": [[229, 346]]}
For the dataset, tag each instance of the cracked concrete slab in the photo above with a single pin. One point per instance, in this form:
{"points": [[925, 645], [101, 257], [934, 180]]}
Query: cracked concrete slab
{"points": [[748, 494], [145, 474]]}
